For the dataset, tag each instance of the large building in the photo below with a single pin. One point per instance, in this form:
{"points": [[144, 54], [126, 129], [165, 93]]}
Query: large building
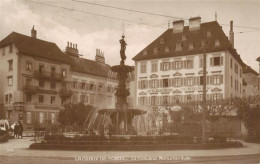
{"points": [[170, 69], [38, 78]]}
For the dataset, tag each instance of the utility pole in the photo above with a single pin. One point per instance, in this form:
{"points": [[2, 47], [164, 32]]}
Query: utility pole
{"points": [[204, 106]]}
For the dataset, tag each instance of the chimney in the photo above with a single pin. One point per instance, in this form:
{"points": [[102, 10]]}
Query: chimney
{"points": [[72, 50], [178, 26], [100, 56], [231, 34], [194, 23], [33, 32]]}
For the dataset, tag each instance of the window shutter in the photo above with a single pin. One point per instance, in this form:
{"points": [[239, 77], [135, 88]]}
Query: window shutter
{"points": [[169, 65], [185, 81], [211, 61], [161, 100], [221, 79], [185, 64], [174, 82], [37, 117], [169, 82], [173, 65], [157, 83], [33, 117], [181, 81], [211, 79], [49, 116], [194, 80], [208, 80], [139, 84], [169, 99], [148, 100], [45, 117], [192, 65], [221, 60], [198, 80], [146, 83], [157, 101], [149, 83], [161, 83], [181, 64], [161, 66]]}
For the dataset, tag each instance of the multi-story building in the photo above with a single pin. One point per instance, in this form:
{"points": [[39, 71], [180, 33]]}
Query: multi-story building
{"points": [[170, 69], [250, 82], [33, 75], [92, 81]]}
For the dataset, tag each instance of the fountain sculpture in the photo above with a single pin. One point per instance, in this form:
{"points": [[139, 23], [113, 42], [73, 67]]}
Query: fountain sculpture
{"points": [[118, 120]]}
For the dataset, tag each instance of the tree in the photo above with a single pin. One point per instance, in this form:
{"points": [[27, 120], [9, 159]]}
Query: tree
{"points": [[74, 115], [249, 112]]}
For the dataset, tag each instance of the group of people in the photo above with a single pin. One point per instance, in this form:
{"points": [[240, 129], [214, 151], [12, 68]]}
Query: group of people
{"points": [[18, 129]]}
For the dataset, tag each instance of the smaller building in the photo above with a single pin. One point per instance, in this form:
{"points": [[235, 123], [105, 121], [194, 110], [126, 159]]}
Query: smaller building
{"points": [[250, 82]]}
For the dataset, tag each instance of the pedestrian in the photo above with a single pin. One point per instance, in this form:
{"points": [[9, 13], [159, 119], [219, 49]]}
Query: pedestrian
{"points": [[20, 131], [16, 128]]}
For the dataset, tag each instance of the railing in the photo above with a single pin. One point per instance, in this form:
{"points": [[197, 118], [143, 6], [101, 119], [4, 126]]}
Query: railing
{"points": [[65, 93], [30, 88], [49, 75]]}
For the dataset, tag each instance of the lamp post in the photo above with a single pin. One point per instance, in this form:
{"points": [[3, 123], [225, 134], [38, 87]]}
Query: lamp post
{"points": [[204, 89]]}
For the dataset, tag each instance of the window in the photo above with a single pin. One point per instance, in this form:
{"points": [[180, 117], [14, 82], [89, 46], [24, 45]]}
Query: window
{"points": [[165, 100], [231, 63], [41, 83], [64, 73], [189, 81], [143, 84], [153, 100], [41, 117], [83, 85], [217, 43], [28, 66], [6, 99], [82, 98], [236, 68], [240, 72], [216, 61], [41, 98], [41, 68], [28, 97], [143, 68], [52, 99], [189, 98], [10, 48], [178, 47], [10, 80], [154, 83], [161, 41], [178, 82], [216, 79], [28, 117], [142, 101], [177, 99], [10, 98], [75, 97], [167, 49], [91, 86], [201, 62], [52, 117], [165, 82], [28, 82], [231, 81], [191, 46], [201, 80], [53, 71], [216, 96], [154, 67], [155, 50], [53, 84], [166, 66], [209, 33], [178, 64], [189, 63], [10, 65], [75, 84]]}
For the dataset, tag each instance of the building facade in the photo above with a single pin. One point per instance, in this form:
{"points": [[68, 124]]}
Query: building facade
{"points": [[170, 69], [250, 82]]}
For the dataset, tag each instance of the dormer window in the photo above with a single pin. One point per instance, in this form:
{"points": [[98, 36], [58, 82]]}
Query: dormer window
{"points": [[183, 38], [145, 52], [167, 49], [191, 46], [209, 33], [161, 41], [155, 50], [217, 43], [178, 47]]}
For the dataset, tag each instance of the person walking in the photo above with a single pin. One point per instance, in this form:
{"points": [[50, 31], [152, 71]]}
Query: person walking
{"points": [[16, 128], [20, 131]]}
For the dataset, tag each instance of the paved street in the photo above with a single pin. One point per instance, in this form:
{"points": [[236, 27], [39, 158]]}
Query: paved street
{"points": [[17, 150]]}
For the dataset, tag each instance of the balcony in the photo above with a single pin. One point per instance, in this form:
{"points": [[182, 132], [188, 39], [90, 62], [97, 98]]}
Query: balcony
{"points": [[49, 75], [65, 93], [30, 88]]}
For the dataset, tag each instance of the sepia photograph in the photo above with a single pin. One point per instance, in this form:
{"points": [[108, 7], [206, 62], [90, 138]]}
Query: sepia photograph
{"points": [[129, 81]]}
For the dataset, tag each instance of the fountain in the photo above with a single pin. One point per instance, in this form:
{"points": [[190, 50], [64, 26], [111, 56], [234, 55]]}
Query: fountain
{"points": [[117, 121]]}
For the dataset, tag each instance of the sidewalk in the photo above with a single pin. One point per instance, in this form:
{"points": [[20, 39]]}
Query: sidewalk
{"points": [[20, 147]]}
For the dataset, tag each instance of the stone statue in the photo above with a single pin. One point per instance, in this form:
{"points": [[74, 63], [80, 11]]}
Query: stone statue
{"points": [[123, 47]]}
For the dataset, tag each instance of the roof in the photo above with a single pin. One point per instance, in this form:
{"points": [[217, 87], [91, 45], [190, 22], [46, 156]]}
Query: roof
{"points": [[30, 46], [248, 69], [195, 37], [92, 67]]}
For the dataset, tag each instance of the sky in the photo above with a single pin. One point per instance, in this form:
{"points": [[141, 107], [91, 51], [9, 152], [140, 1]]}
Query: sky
{"points": [[78, 25]]}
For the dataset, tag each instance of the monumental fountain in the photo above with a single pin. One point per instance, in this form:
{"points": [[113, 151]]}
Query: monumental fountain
{"points": [[119, 120]]}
